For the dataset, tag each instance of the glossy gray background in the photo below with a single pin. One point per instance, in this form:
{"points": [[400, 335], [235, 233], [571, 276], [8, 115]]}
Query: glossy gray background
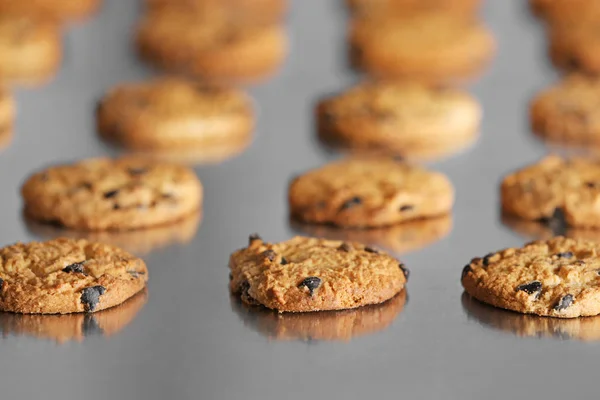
{"points": [[187, 343]]}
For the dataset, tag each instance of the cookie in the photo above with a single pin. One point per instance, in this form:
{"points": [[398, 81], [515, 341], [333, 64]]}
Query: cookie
{"points": [[555, 278], [66, 276], [268, 11], [525, 325], [7, 116], [400, 238], [305, 274], [31, 49], [172, 113], [568, 111], [50, 9], [344, 325], [369, 193], [112, 194], [63, 328], [384, 8], [429, 47], [400, 118], [555, 190], [211, 48]]}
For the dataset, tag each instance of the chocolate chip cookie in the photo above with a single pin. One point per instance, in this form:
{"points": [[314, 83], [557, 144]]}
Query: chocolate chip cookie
{"points": [[51, 9], [211, 47], [568, 111], [431, 47], [400, 118], [366, 192], [66, 276], [305, 274], [555, 190], [112, 194], [555, 278], [30, 49], [170, 113]]}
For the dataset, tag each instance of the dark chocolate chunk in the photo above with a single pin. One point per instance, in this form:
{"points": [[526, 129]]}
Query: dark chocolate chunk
{"points": [[253, 237], [230, 276], [557, 222], [406, 207], [90, 327], [465, 271], [592, 185], [533, 287], [371, 250], [90, 297], [137, 171], [1, 284], [284, 261], [486, 259], [565, 302], [405, 270], [312, 283], [116, 206], [111, 193], [355, 201], [269, 255], [345, 247], [566, 254], [75, 267], [245, 293]]}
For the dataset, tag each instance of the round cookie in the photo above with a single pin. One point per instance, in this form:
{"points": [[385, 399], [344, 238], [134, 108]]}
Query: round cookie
{"points": [[30, 49], [403, 7], [175, 114], [106, 194], [66, 276], [369, 193], [7, 116], [305, 274], [576, 46], [568, 112], [400, 118], [555, 190], [211, 47], [58, 10], [555, 278], [430, 47]]}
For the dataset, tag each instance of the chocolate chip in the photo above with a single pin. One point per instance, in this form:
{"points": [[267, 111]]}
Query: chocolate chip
{"points": [[269, 255], [406, 207], [592, 185], [566, 254], [557, 222], [405, 270], [55, 223], [116, 206], [75, 267], [565, 302], [465, 271], [311, 283], [253, 238], [355, 201], [90, 326], [245, 293], [371, 250], [345, 247], [486, 259], [533, 287], [284, 261], [86, 185], [1, 284], [90, 297], [111, 193], [137, 171], [230, 276]]}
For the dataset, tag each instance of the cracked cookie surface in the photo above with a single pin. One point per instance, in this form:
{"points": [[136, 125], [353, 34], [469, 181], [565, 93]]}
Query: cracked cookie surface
{"points": [[65, 276], [556, 278], [369, 193], [112, 194], [305, 274], [555, 190]]}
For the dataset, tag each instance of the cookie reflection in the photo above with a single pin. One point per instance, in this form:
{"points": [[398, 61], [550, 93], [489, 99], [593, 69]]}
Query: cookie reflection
{"points": [[535, 230], [73, 327], [323, 325], [524, 325], [399, 238], [138, 242]]}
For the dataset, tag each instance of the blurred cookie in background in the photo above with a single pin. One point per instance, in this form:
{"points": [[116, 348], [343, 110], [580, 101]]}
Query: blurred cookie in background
{"points": [[78, 327], [57, 10], [342, 325]]}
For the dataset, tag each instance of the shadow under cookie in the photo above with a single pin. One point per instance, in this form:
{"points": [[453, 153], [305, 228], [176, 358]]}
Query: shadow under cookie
{"points": [[73, 327], [342, 325], [522, 325]]}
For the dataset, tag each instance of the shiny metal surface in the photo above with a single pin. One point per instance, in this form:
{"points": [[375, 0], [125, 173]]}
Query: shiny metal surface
{"points": [[190, 341]]}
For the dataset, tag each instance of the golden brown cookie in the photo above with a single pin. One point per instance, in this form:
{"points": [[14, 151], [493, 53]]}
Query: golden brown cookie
{"points": [[402, 7], [268, 11], [304, 274], [58, 10], [30, 49], [212, 48], [576, 46], [63, 328], [557, 190], [556, 278], [112, 194], [7, 116], [171, 113], [568, 111], [66, 276], [343, 325], [430, 47], [369, 193], [400, 118]]}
